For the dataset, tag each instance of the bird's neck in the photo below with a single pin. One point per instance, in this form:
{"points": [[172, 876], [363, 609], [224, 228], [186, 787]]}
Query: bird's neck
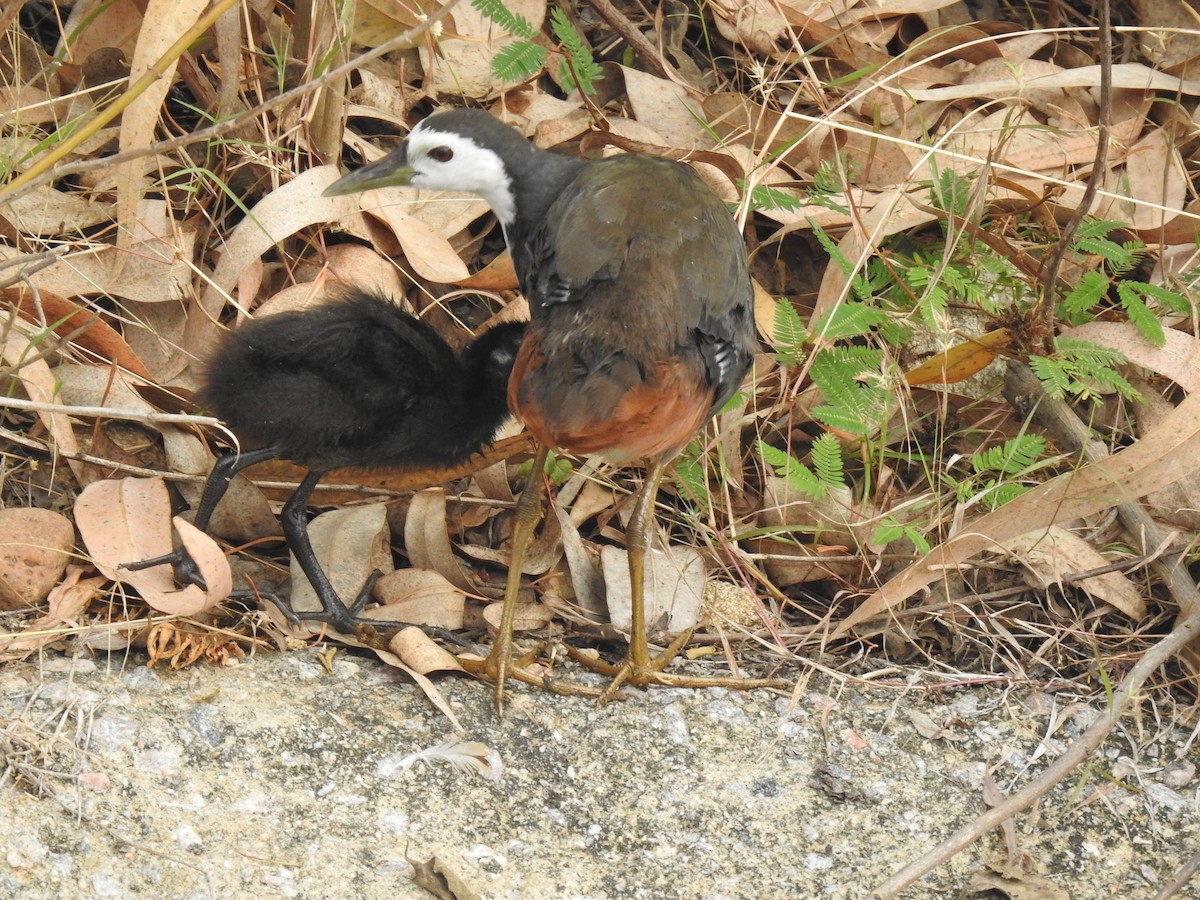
{"points": [[536, 182]]}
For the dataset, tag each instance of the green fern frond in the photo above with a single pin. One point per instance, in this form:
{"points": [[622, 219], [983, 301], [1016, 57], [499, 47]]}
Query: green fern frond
{"points": [[1092, 288], [790, 333], [1012, 457], [1091, 228], [891, 530], [848, 379], [690, 474], [1120, 258], [764, 197], [1140, 314], [827, 460], [1172, 301], [519, 61], [848, 320], [1080, 369], [799, 477], [514, 24], [996, 495], [1050, 373], [951, 193], [579, 69]]}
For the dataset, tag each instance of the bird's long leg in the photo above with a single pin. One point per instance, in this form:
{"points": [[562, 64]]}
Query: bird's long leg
{"points": [[223, 472], [637, 543], [639, 668], [529, 510]]}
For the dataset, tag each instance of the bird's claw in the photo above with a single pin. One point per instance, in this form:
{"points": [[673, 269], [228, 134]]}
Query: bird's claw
{"points": [[185, 568], [628, 672]]}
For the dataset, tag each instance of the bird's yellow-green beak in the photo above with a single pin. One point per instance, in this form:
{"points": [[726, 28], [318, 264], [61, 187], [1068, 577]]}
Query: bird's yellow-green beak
{"points": [[391, 171]]}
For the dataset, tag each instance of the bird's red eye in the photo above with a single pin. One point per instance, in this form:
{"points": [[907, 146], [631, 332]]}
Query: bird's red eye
{"points": [[441, 154]]}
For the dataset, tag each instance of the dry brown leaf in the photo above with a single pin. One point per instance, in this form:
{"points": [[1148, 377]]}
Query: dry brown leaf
{"points": [[528, 617], [157, 267], [1131, 76], [99, 340], [377, 21], [35, 547], [210, 561], [930, 729], [244, 514], [427, 538], [427, 687], [462, 64], [498, 275], [1172, 43], [1155, 177], [46, 212], [677, 117], [126, 520], [420, 653], [1051, 555], [421, 597], [280, 214], [67, 603], [41, 386], [441, 880], [586, 578], [429, 253], [1177, 504], [961, 361], [352, 263], [674, 588], [757, 24], [165, 21], [1000, 880]]}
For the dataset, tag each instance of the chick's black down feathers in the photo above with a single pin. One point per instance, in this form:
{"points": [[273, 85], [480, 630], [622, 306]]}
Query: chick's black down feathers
{"points": [[361, 382]]}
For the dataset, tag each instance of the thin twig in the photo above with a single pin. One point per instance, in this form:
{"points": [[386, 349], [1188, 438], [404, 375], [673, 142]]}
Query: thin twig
{"points": [[105, 412], [1185, 874], [638, 41], [1103, 117]]}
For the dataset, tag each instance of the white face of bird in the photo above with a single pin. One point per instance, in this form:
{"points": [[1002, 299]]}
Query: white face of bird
{"points": [[448, 161]]}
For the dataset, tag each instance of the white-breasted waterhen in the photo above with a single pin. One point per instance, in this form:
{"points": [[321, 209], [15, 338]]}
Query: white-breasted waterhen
{"points": [[356, 382], [642, 317]]}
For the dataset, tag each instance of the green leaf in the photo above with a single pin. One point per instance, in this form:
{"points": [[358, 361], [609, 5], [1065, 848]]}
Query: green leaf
{"points": [[1092, 288], [580, 65], [519, 61], [800, 478], [764, 197], [500, 14], [790, 333], [1139, 314], [1012, 457], [848, 320], [827, 459]]}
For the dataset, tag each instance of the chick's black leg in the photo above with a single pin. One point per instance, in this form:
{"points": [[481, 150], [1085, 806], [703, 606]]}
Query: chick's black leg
{"points": [[295, 528], [222, 474], [334, 611]]}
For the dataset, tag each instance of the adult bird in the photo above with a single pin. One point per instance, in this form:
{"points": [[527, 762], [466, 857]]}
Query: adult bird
{"points": [[641, 316], [356, 382]]}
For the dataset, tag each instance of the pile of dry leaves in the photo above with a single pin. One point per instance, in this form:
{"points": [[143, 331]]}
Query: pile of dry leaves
{"points": [[164, 164]]}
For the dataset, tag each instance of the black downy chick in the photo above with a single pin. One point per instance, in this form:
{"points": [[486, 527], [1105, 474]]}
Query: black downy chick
{"points": [[359, 382]]}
